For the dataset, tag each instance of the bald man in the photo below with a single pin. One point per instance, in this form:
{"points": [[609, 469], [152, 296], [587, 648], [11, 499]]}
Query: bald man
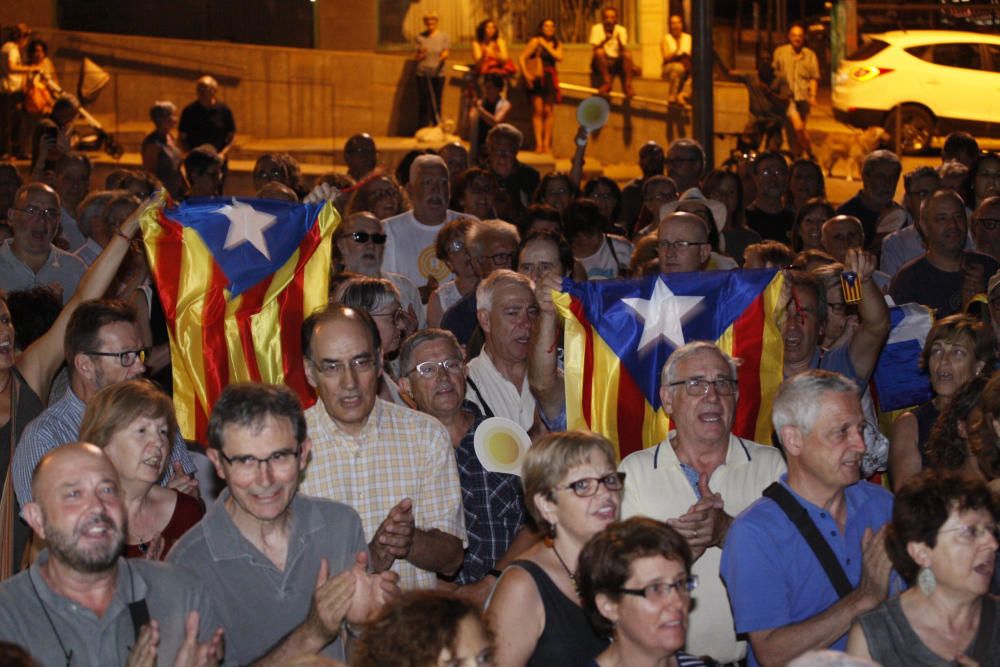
{"points": [[81, 600]]}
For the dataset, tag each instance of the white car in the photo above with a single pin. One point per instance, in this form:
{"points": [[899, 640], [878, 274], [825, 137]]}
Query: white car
{"points": [[937, 80]]}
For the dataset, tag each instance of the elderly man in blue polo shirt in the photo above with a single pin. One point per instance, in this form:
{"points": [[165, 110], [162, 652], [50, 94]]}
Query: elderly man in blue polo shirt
{"points": [[803, 562], [286, 572]]}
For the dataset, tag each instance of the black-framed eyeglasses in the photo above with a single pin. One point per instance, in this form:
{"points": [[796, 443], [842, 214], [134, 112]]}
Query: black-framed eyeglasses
{"points": [[661, 590], [430, 369], [249, 464], [126, 358], [988, 223], [499, 259], [34, 211], [680, 245], [699, 386], [587, 486], [364, 237]]}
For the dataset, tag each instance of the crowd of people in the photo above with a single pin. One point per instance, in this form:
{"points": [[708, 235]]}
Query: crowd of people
{"points": [[367, 529]]}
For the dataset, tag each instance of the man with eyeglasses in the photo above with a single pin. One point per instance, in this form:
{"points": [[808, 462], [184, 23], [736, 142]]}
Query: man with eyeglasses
{"points": [[767, 214], [986, 227], [286, 572], [880, 173], [394, 465], [786, 596], [905, 244], [682, 243], [103, 346], [360, 242], [492, 245], [804, 317], [410, 248], [29, 258], [699, 478], [434, 376]]}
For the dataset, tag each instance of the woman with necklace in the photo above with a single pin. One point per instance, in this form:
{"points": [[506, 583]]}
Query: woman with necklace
{"points": [[572, 492], [25, 376], [134, 423]]}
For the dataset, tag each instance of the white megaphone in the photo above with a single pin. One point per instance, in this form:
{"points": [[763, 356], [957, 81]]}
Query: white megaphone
{"points": [[593, 113]]}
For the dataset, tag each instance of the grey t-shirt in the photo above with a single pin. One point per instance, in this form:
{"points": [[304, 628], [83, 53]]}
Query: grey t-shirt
{"points": [[169, 591], [433, 45], [258, 603]]}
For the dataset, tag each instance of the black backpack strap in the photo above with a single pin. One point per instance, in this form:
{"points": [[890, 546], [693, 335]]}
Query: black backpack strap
{"points": [[482, 401], [140, 615], [824, 554]]}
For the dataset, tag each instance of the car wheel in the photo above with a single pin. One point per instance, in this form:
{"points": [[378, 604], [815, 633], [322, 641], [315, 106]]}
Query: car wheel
{"points": [[916, 128]]}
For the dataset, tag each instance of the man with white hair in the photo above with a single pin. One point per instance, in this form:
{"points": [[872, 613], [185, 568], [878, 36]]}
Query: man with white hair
{"points": [[682, 243], [409, 248], [360, 242], [802, 563], [699, 478], [498, 377]]}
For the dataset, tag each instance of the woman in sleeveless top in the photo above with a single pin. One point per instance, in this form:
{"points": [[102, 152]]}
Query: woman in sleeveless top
{"points": [[542, 81], [134, 423], [958, 348], [943, 542], [450, 248], [490, 51], [26, 376], [636, 583], [572, 492]]}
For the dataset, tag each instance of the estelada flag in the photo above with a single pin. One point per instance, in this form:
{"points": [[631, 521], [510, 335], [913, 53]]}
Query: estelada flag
{"points": [[236, 278], [620, 333]]}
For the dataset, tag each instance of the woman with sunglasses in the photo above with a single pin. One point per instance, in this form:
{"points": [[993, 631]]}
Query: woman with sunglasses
{"points": [[134, 423], [636, 583], [450, 248], [572, 492]]}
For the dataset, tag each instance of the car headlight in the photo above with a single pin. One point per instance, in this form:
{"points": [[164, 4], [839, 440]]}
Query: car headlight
{"points": [[868, 73]]}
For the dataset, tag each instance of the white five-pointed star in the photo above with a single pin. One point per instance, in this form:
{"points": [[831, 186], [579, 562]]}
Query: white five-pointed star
{"points": [[246, 225], [661, 314], [915, 325]]}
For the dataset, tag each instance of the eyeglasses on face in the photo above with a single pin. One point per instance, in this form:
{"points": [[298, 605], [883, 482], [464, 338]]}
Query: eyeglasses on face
{"points": [[699, 386], [332, 368], [364, 237], [680, 245], [126, 358], [661, 590], [988, 223], [430, 369], [248, 464], [973, 533], [398, 316], [499, 259], [34, 211], [587, 486]]}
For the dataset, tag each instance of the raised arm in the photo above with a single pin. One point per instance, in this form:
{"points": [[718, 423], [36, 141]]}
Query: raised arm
{"points": [[873, 314], [39, 363], [543, 376]]}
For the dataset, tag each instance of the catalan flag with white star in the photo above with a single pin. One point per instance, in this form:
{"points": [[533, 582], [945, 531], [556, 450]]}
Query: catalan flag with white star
{"points": [[620, 333], [236, 278]]}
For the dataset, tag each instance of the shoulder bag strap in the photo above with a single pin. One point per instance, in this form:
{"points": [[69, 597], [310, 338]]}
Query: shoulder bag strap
{"points": [[824, 554]]}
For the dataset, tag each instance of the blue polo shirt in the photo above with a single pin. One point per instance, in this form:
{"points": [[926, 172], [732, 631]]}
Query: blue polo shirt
{"points": [[773, 577]]}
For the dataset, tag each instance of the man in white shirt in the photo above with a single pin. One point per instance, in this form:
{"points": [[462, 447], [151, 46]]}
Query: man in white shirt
{"points": [[611, 56], [699, 478], [409, 249], [676, 51]]}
